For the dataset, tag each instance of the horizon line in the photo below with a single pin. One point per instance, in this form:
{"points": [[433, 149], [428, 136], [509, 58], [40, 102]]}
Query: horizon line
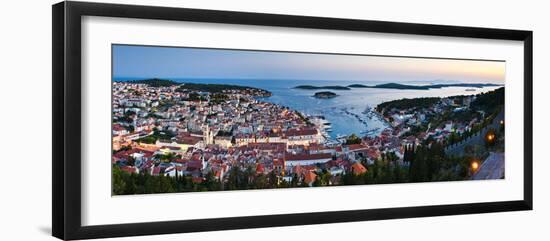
{"points": [[384, 82]]}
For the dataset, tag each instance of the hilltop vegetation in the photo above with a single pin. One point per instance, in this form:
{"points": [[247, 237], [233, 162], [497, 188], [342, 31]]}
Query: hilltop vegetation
{"points": [[404, 104], [211, 88], [214, 88], [490, 101], [220, 88], [155, 82]]}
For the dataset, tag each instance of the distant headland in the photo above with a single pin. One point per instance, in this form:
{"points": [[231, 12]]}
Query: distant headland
{"points": [[212, 88], [395, 86]]}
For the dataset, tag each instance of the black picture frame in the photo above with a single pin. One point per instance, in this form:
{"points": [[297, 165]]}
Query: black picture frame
{"points": [[66, 75]]}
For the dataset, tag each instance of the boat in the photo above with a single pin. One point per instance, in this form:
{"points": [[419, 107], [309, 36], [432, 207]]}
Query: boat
{"points": [[367, 110], [369, 132], [341, 138]]}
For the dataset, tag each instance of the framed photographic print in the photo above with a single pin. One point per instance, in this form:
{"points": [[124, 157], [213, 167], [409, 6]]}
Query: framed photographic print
{"points": [[170, 120]]}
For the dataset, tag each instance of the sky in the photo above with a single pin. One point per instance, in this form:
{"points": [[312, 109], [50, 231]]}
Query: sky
{"points": [[195, 63]]}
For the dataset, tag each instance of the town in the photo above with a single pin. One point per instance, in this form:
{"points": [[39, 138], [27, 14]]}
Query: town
{"points": [[171, 137]]}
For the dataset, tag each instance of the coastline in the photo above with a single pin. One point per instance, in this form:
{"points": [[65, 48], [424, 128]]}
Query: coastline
{"points": [[200, 138]]}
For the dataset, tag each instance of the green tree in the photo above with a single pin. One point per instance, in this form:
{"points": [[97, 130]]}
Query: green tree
{"points": [[118, 183], [294, 181], [260, 182], [353, 139], [419, 166], [325, 178], [235, 179], [273, 180]]}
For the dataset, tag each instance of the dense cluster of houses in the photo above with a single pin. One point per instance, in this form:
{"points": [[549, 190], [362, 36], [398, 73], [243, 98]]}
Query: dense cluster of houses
{"points": [[214, 136], [403, 120], [196, 133]]}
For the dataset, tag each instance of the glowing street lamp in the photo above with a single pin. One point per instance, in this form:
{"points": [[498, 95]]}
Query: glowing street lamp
{"points": [[490, 138], [474, 166]]}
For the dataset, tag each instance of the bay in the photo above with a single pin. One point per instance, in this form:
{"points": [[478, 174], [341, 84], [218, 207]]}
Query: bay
{"points": [[348, 113]]}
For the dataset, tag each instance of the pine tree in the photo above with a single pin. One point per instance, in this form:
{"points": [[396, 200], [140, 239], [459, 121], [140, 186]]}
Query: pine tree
{"points": [[397, 173], [419, 167], [406, 154]]}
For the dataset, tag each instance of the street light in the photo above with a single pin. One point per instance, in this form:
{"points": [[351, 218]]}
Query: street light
{"points": [[490, 138], [474, 166]]}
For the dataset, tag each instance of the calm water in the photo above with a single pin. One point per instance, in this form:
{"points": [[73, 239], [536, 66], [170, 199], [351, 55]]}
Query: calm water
{"points": [[346, 112]]}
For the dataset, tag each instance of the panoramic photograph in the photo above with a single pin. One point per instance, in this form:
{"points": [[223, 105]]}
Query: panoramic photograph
{"points": [[202, 119]]}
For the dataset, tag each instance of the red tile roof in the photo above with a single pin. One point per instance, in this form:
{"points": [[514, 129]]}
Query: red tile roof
{"points": [[194, 165], [358, 168], [129, 169], [196, 179], [260, 168], [156, 170], [310, 177], [268, 146], [191, 140], [173, 148], [301, 132], [118, 127], [356, 147], [298, 157], [278, 162], [181, 160]]}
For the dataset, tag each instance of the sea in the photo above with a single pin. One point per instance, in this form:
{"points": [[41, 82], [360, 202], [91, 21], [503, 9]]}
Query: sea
{"points": [[351, 112]]}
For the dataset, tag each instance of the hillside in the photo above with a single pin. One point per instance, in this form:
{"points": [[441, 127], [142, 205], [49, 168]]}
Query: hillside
{"points": [[155, 82], [219, 88]]}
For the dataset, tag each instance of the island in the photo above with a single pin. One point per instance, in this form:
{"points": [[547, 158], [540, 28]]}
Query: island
{"points": [[395, 86], [392, 86], [325, 95], [471, 85], [329, 87]]}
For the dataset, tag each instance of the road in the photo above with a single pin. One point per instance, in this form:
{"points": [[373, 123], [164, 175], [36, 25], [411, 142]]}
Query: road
{"points": [[478, 139], [492, 167]]}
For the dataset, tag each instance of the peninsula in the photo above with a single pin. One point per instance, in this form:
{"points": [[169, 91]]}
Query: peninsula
{"points": [[211, 88]]}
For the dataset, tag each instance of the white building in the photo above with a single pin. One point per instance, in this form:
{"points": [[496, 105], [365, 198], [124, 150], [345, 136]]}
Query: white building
{"points": [[306, 159]]}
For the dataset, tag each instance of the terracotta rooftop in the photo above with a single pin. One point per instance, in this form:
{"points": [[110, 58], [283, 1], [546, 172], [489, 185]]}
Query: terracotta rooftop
{"points": [[298, 157], [301, 132], [310, 177], [358, 168]]}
